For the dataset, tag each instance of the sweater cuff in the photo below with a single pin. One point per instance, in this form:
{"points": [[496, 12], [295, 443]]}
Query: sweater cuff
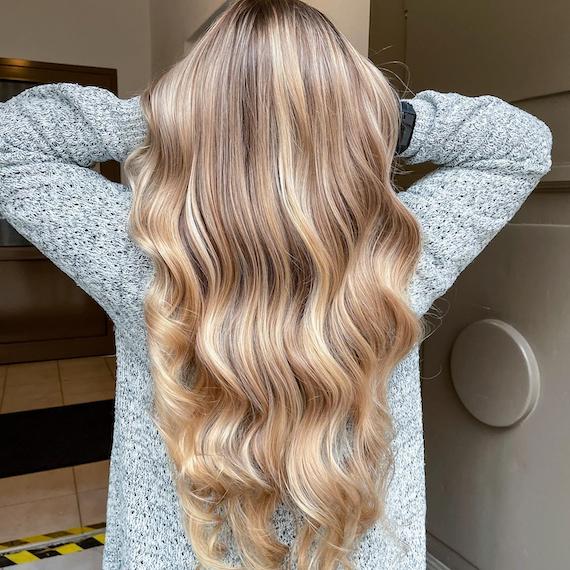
{"points": [[425, 114], [132, 127]]}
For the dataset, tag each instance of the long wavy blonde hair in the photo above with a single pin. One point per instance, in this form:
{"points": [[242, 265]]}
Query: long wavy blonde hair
{"points": [[264, 196]]}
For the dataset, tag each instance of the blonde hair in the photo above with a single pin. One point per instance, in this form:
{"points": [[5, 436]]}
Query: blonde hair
{"points": [[264, 196]]}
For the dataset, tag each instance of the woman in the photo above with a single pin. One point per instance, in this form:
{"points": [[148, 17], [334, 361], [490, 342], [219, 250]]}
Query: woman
{"points": [[266, 283]]}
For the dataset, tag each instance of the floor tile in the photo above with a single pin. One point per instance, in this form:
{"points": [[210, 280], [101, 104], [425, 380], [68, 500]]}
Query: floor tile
{"points": [[86, 380], [88, 384], [91, 476], [94, 396], [79, 385], [92, 506], [31, 373], [36, 486], [31, 396], [94, 367], [111, 363], [37, 517]]}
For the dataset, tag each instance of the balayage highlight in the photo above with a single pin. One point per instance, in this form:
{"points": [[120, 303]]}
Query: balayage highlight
{"points": [[263, 195]]}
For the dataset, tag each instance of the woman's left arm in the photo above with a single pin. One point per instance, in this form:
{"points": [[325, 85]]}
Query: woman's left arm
{"points": [[49, 137], [490, 156]]}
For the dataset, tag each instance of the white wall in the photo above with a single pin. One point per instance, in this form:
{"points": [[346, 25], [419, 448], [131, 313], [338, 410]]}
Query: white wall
{"points": [[100, 33]]}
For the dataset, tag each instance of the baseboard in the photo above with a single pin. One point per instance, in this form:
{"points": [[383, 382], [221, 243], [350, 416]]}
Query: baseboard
{"points": [[441, 557], [434, 564]]}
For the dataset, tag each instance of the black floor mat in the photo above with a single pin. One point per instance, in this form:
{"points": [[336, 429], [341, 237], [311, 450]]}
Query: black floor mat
{"points": [[38, 440]]}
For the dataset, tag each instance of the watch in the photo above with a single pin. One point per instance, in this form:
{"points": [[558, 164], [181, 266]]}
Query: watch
{"points": [[407, 123]]}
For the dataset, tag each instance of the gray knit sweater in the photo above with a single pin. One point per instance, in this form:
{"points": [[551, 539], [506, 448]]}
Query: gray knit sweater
{"points": [[491, 156]]}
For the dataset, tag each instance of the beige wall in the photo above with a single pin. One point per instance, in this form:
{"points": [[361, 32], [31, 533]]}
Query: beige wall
{"points": [[174, 23], [102, 33], [140, 38], [351, 18]]}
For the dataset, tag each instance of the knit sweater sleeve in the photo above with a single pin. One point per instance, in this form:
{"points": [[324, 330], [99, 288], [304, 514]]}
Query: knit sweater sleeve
{"points": [[50, 136], [491, 155]]}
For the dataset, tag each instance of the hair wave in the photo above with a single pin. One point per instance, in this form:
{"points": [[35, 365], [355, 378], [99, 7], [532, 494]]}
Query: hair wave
{"points": [[278, 308]]}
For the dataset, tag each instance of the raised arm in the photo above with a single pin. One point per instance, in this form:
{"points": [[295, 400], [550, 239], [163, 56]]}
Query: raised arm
{"points": [[68, 123], [49, 135], [491, 155]]}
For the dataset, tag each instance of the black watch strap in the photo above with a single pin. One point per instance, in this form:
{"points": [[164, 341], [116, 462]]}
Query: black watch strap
{"points": [[407, 123]]}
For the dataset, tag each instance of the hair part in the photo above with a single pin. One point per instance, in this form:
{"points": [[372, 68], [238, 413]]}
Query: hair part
{"points": [[278, 308]]}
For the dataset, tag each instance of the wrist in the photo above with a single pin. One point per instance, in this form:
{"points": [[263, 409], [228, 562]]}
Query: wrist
{"points": [[407, 122], [132, 126], [424, 111]]}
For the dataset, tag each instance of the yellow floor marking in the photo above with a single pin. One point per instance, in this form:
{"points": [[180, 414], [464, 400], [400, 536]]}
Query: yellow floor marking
{"points": [[68, 548], [21, 557]]}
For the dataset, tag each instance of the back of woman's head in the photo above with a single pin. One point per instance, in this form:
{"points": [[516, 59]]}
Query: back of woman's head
{"points": [[278, 309]]}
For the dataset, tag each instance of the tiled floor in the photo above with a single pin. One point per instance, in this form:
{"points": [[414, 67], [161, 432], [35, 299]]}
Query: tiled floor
{"points": [[60, 498], [50, 383]]}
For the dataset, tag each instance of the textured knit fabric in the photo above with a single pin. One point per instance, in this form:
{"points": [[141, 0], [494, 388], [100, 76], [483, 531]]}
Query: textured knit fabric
{"points": [[490, 156]]}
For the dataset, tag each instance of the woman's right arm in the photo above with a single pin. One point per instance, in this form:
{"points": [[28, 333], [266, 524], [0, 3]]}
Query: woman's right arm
{"points": [[50, 134], [491, 155]]}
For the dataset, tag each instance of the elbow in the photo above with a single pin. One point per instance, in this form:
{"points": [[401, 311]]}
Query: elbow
{"points": [[542, 147], [537, 145], [526, 140]]}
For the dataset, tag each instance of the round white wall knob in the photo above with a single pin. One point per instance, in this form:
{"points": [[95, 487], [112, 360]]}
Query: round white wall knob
{"points": [[495, 373]]}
